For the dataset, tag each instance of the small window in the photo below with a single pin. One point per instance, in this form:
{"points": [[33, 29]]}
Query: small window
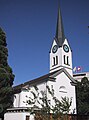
{"points": [[55, 60], [15, 96], [52, 89], [27, 117], [52, 86]]}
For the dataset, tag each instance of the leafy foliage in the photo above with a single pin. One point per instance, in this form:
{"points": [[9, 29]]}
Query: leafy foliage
{"points": [[41, 103], [83, 96], [6, 76]]}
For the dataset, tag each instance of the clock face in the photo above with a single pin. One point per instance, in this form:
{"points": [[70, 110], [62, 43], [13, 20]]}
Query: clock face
{"points": [[54, 50], [66, 48]]}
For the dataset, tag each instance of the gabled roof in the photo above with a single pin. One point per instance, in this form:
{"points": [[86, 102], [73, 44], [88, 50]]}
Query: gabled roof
{"points": [[33, 82], [59, 37], [45, 78], [73, 81]]}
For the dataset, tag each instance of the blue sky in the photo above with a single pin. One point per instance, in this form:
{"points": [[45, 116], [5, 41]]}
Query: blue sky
{"points": [[30, 27]]}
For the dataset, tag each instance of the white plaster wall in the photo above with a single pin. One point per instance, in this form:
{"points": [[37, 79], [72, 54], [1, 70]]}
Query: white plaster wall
{"points": [[60, 53], [63, 80], [21, 98], [15, 116], [16, 100], [24, 98], [68, 67], [41, 87]]}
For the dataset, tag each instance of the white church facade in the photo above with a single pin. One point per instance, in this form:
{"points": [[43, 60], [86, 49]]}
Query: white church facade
{"points": [[60, 78]]}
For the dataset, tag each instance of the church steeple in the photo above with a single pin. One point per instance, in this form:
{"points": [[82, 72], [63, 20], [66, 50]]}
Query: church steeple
{"points": [[59, 37], [60, 54]]}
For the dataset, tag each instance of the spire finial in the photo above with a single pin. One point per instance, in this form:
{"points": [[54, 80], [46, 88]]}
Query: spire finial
{"points": [[59, 29]]}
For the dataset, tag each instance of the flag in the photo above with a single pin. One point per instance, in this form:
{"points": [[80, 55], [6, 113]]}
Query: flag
{"points": [[79, 68], [74, 69]]}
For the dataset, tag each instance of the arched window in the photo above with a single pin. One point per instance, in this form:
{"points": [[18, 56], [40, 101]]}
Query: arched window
{"points": [[62, 89]]}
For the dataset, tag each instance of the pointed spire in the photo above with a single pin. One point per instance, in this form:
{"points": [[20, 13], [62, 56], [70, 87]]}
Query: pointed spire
{"points": [[60, 37]]}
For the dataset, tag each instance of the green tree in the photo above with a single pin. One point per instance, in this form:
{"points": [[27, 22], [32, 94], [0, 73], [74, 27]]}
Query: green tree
{"points": [[83, 96], [6, 76], [40, 102]]}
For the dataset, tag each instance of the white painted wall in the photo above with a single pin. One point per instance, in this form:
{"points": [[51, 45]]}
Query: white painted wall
{"points": [[60, 53], [17, 100], [63, 80], [21, 98], [69, 54], [16, 116]]}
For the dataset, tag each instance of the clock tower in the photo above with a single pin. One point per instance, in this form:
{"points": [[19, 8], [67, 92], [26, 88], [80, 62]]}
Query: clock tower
{"points": [[60, 53]]}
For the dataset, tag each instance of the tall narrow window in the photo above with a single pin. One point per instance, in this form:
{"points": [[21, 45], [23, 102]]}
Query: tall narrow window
{"points": [[53, 61], [64, 59], [67, 60], [56, 60]]}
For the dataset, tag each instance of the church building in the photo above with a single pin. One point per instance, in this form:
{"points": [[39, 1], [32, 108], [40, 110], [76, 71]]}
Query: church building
{"points": [[60, 77]]}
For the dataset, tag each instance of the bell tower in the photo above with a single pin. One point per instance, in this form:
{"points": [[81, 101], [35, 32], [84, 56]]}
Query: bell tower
{"points": [[60, 53]]}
